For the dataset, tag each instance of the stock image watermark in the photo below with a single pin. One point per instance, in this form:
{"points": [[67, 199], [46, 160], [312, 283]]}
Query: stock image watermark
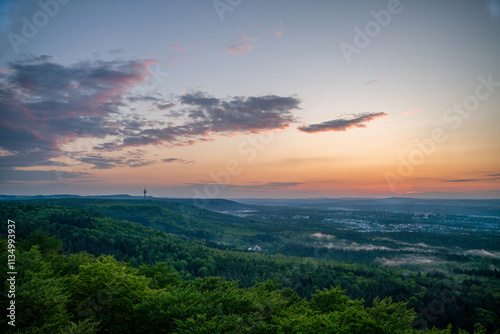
{"points": [[364, 36], [31, 25], [11, 273], [223, 6], [453, 117]]}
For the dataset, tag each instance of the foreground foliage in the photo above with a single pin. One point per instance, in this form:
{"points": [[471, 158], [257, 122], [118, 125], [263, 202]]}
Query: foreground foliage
{"points": [[156, 282], [84, 294]]}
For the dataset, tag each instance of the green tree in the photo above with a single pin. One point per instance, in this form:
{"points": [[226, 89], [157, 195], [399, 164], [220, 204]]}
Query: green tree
{"points": [[106, 291]]}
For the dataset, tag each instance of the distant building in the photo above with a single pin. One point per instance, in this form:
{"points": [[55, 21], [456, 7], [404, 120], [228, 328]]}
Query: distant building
{"points": [[255, 248]]}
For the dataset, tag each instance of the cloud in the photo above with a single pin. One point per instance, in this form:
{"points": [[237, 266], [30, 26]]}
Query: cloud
{"points": [[176, 160], [47, 105], [373, 81], [494, 177], [208, 116], [322, 236], [342, 124], [463, 180], [117, 51], [164, 106], [199, 99], [411, 112], [239, 49], [248, 38], [101, 162], [262, 186], [143, 98], [16, 175], [415, 260], [354, 246], [179, 48], [491, 177], [283, 184], [280, 31], [482, 253], [54, 115], [240, 44]]}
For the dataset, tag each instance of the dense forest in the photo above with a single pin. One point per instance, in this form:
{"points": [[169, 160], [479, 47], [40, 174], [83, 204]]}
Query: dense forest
{"points": [[127, 267]]}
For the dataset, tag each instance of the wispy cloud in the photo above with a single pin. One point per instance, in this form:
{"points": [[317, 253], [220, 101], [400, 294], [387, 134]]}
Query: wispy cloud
{"points": [[463, 180], [179, 48], [414, 260], [117, 51], [163, 106], [248, 38], [411, 112], [373, 81], [239, 49], [257, 186], [176, 160], [342, 124], [240, 44], [101, 162], [16, 175], [474, 180], [280, 31]]}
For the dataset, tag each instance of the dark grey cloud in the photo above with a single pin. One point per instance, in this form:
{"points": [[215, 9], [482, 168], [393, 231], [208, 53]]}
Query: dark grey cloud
{"points": [[283, 184], [164, 106], [144, 98], [475, 180], [199, 99], [100, 162], [342, 124], [464, 180], [176, 160], [374, 81], [209, 116], [14, 175], [256, 186], [46, 106]]}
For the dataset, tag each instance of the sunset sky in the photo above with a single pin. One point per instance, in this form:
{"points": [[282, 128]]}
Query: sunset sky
{"points": [[240, 98]]}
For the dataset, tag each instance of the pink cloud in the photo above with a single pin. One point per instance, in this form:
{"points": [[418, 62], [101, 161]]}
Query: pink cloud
{"points": [[81, 100], [239, 49], [248, 38], [411, 112], [280, 31], [240, 44], [179, 48]]}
